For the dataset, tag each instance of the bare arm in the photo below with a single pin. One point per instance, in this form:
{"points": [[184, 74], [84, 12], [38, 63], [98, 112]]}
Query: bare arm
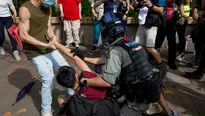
{"points": [[98, 3], [80, 10], [61, 8], [181, 9], [80, 63], [50, 32], [93, 11], [128, 6], [158, 9], [13, 9], [97, 60], [24, 26]]}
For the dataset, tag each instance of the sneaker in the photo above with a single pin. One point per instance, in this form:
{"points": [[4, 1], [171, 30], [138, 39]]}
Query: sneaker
{"points": [[2, 52], [93, 49], [154, 108], [180, 57], [46, 113], [193, 64], [16, 55], [173, 114]]}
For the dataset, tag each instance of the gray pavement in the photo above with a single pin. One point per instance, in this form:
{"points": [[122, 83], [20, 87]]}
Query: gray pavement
{"points": [[183, 95]]}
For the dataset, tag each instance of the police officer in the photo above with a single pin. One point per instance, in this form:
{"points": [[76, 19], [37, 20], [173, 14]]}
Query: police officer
{"points": [[127, 67], [170, 29]]}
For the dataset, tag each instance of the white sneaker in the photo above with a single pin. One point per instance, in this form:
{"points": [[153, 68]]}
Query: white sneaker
{"points": [[46, 113], [16, 55], [155, 108], [2, 52], [180, 57]]}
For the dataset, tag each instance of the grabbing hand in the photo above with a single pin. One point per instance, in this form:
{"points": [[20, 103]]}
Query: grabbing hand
{"points": [[51, 45], [14, 19], [195, 16], [77, 52], [62, 16], [181, 21]]}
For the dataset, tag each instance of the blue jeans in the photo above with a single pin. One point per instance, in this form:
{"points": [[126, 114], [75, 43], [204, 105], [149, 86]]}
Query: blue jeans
{"points": [[46, 65], [7, 22], [98, 28]]}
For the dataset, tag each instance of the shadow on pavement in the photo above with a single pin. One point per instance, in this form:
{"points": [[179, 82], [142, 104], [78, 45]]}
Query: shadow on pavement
{"points": [[21, 77]]}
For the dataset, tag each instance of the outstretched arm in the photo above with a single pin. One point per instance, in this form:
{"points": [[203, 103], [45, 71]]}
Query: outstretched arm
{"points": [[79, 62], [24, 26], [97, 60]]}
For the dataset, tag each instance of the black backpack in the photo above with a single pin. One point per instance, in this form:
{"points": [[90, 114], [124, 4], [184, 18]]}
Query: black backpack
{"points": [[80, 106]]}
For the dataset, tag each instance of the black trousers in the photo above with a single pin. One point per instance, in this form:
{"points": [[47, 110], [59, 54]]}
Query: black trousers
{"points": [[201, 67], [181, 29], [199, 40], [6, 22], [170, 32]]}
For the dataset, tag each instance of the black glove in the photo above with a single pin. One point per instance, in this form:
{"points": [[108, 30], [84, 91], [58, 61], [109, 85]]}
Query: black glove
{"points": [[77, 52]]}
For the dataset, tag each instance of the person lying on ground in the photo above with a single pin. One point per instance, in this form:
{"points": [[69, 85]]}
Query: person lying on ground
{"points": [[69, 78]]}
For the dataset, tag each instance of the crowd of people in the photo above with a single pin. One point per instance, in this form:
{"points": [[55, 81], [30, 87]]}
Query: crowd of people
{"points": [[127, 75]]}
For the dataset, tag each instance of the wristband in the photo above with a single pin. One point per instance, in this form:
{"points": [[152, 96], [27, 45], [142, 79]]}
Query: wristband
{"points": [[85, 81]]}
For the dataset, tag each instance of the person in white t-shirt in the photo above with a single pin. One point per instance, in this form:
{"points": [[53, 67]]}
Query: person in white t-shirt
{"points": [[7, 21]]}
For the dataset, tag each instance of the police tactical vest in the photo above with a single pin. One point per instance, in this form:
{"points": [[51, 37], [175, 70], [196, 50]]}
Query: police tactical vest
{"points": [[140, 69]]}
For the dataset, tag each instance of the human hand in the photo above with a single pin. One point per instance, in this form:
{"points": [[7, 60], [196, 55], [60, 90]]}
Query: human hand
{"points": [[62, 16], [195, 16], [54, 38], [15, 18], [51, 45], [124, 17], [148, 3], [77, 52], [181, 21], [136, 2]]}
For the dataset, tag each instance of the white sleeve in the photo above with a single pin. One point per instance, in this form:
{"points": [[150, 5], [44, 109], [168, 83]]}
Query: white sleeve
{"points": [[92, 3], [10, 3]]}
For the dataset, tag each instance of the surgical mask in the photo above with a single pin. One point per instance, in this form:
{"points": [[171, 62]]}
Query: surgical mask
{"points": [[48, 3]]}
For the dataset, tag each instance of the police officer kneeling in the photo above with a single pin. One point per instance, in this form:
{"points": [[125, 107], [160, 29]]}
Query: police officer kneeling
{"points": [[127, 71]]}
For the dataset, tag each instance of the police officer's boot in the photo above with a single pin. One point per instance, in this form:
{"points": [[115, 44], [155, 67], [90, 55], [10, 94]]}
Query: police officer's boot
{"points": [[162, 70]]}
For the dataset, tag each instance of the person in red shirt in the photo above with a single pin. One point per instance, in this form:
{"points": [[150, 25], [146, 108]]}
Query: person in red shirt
{"points": [[69, 78], [71, 14]]}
